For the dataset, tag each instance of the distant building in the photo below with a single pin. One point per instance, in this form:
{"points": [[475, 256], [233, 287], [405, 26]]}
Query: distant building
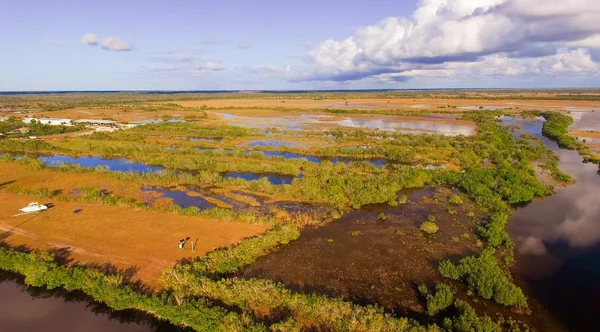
{"points": [[96, 123], [19, 131], [50, 121]]}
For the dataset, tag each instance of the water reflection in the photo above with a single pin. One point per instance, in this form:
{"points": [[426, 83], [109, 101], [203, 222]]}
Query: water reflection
{"points": [[119, 165], [585, 120], [387, 123], [558, 241], [571, 216], [24, 308], [408, 127]]}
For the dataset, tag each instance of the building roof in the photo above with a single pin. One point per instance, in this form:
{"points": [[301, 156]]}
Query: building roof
{"points": [[95, 121], [47, 119]]}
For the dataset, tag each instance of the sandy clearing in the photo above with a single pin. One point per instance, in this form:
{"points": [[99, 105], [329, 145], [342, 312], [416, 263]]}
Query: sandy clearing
{"points": [[122, 236]]}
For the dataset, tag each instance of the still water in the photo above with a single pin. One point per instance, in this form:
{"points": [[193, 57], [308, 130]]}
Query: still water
{"points": [[558, 243], [31, 309]]}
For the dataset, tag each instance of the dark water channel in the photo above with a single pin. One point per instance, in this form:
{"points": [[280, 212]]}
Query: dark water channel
{"points": [[558, 243], [26, 309]]}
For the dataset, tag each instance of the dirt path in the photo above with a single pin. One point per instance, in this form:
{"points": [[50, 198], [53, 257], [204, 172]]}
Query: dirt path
{"points": [[122, 236]]}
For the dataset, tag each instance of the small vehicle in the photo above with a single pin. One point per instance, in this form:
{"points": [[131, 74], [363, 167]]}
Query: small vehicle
{"points": [[34, 207]]}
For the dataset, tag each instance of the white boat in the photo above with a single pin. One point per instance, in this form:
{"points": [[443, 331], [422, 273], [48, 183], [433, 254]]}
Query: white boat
{"points": [[34, 207]]}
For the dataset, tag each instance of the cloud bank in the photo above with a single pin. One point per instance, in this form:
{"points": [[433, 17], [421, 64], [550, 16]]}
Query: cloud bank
{"points": [[114, 44], [90, 39], [468, 38], [109, 43], [203, 67]]}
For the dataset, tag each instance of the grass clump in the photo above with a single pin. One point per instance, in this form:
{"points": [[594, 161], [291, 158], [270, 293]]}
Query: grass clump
{"points": [[429, 227], [455, 199]]}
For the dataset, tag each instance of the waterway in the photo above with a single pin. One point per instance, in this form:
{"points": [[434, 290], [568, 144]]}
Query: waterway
{"points": [[558, 243], [24, 308]]}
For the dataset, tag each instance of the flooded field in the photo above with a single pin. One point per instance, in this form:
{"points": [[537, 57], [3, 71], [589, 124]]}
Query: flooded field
{"points": [[585, 120], [558, 243], [322, 121], [374, 255]]}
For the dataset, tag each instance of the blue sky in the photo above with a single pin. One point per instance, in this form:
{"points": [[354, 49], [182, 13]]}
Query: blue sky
{"points": [[230, 45]]}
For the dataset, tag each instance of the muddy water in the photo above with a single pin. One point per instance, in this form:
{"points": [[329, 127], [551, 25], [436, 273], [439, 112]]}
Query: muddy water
{"points": [[370, 259], [558, 243], [25, 308]]}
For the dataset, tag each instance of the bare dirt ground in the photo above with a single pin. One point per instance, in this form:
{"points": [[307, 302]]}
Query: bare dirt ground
{"points": [[121, 236]]}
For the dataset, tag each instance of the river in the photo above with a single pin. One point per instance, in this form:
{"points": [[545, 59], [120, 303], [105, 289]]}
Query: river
{"points": [[557, 242]]}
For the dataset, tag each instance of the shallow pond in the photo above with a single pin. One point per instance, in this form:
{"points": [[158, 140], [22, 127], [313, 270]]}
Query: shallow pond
{"points": [[386, 123], [119, 165], [406, 127], [558, 243], [25, 308], [585, 120]]}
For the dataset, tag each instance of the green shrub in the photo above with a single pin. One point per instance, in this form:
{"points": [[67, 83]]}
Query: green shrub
{"points": [[448, 270], [429, 227], [485, 276], [455, 199], [466, 319], [441, 300]]}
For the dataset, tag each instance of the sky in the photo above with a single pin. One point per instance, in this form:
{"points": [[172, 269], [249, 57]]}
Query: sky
{"points": [[283, 45]]}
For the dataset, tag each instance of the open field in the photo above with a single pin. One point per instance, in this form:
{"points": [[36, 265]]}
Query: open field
{"points": [[387, 201], [144, 240], [404, 103]]}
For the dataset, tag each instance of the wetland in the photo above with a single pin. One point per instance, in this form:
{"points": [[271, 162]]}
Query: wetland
{"points": [[382, 213]]}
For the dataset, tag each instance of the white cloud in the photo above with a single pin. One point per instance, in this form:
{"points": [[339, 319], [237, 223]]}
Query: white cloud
{"points": [[278, 69], [201, 68], [244, 46], [114, 44], [493, 37], [90, 39]]}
